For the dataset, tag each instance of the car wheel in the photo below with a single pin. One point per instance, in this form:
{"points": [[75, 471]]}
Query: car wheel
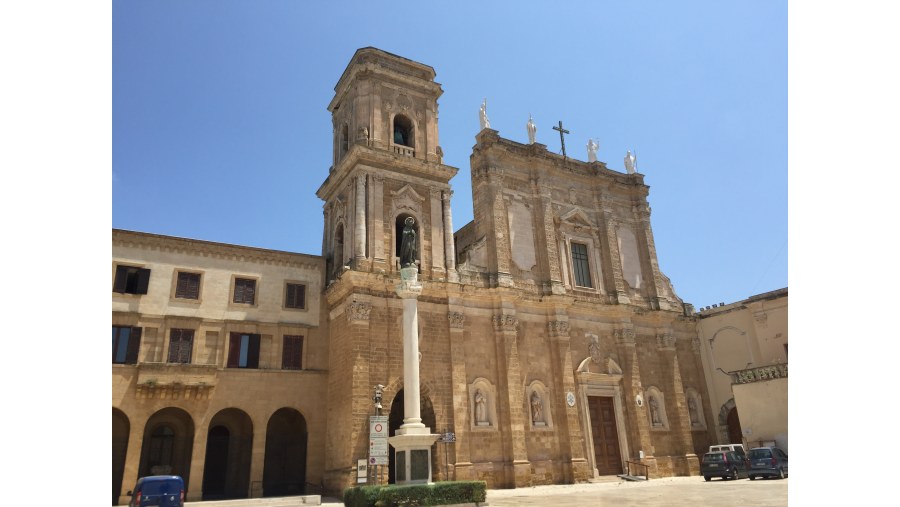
{"points": [[734, 474], [781, 473], [752, 477], [706, 478]]}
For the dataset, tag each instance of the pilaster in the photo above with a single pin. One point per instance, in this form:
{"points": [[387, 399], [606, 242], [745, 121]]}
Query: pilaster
{"points": [[449, 247], [458, 377], [575, 464], [659, 287], [519, 468], [615, 259]]}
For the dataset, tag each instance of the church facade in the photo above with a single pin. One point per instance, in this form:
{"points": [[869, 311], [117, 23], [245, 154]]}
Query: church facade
{"points": [[552, 346]]}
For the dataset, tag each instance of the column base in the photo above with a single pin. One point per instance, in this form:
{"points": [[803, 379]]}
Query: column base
{"points": [[412, 455]]}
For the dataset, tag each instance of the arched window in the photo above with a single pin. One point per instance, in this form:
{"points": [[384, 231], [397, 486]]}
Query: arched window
{"points": [[403, 131], [339, 248], [345, 140]]}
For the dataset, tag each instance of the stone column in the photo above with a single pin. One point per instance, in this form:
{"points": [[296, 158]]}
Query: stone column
{"points": [[413, 440], [437, 237], [132, 459], [359, 245], [198, 461], [449, 245], [257, 459]]}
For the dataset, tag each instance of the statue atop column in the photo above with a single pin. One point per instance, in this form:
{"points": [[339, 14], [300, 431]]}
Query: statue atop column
{"points": [[408, 244], [532, 129], [482, 116]]}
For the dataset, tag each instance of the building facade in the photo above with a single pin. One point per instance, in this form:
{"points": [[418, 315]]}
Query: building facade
{"points": [[551, 344], [745, 350]]}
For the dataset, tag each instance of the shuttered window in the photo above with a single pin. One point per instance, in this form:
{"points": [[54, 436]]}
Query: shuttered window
{"points": [[131, 280], [187, 286], [181, 343], [580, 265], [244, 291], [243, 350], [295, 296], [292, 353], [126, 342]]}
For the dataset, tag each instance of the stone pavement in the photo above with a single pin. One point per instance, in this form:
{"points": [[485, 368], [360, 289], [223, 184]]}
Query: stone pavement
{"points": [[665, 492]]}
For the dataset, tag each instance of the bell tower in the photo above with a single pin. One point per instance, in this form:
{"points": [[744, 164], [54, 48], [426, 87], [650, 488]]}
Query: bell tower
{"points": [[387, 166]]}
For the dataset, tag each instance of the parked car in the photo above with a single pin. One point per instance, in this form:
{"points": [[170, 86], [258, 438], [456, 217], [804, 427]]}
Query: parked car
{"points": [[768, 462], [158, 490], [724, 464]]}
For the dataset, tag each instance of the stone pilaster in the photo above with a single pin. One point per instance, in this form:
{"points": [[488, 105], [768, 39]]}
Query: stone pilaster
{"points": [[575, 464], [133, 461], [686, 441], [359, 244], [437, 234], [634, 391], [519, 468], [659, 286], [615, 259], [550, 245], [503, 252], [376, 211], [257, 460], [449, 247], [458, 377]]}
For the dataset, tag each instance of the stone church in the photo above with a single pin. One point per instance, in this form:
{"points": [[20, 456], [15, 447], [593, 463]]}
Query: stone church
{"points": [[551, 344]]}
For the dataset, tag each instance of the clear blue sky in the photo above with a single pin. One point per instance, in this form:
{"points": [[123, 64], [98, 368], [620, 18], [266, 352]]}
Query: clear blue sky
{"points": [[220, 130]]}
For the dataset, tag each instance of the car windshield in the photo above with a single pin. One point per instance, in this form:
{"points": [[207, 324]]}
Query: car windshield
{"points": [[760, 453], [713, 457]]}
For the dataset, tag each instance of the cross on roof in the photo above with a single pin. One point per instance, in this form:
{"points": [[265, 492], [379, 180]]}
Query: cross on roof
{"points": [[562, 140]]}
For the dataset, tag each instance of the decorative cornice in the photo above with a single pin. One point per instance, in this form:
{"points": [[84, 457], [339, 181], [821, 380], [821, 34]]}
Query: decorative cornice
{"points": [[201, 248], [358, 312], [457, 320], [759, 374], [505, 323]]}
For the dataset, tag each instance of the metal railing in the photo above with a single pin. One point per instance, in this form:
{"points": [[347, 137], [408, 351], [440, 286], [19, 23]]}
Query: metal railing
{"points": [[639, 466]]}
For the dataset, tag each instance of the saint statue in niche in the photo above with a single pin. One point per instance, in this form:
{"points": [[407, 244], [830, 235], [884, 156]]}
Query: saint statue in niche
{"points": [[480, 412], [537, 408], [409, 249], [654, 412]]}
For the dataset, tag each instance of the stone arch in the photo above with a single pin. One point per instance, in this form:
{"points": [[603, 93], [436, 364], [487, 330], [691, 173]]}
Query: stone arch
{"points": [[229, 446], [537, 399], [167, 444], [730, 423], [287, 435], [657, 413], [121, 429]]}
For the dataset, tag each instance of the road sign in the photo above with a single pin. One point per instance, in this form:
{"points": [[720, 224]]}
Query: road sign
{"points": [[448, 437], [378, 447], [378, 460], [378, 426], [362, 471]]}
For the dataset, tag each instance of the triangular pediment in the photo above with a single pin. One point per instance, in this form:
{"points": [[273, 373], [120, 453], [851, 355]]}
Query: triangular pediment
{"points": [[577, 217], [407, 191]]}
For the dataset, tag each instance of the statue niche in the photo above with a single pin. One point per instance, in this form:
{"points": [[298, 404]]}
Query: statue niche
{"points": [[407, 243]]}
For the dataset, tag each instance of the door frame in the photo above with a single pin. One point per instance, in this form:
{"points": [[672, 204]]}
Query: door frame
{"points": [[609, 386]]}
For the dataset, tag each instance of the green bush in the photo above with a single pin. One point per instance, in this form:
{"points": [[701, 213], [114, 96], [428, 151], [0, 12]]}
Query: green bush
{"points": [[441, 493]]}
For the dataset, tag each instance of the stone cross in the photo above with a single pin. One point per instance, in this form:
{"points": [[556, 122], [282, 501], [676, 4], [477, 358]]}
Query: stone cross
{"points": [[562, 140]]}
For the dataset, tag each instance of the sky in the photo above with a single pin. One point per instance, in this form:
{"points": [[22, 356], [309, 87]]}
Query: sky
{"points": [[220, 130]]}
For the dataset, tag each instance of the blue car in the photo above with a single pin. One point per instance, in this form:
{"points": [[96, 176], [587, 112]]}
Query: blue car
{"points": [[158, 490], [768, 462]]}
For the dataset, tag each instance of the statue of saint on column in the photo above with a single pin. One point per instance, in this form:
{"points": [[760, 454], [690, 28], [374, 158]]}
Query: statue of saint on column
{"points": [[409, 249]]}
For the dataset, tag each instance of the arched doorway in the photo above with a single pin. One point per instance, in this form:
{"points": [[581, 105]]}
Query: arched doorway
{"points": [[395, 420], [120, 431], [735, 435], [166, 447], [229, 444], [284, 473]]}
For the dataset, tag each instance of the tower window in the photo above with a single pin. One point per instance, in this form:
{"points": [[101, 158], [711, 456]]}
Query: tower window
{"points": [[403, 131]]}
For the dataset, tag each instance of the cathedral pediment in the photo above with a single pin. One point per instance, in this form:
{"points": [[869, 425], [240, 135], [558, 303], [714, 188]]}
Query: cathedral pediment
{"points": [[577, 218], [408, 192]]}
